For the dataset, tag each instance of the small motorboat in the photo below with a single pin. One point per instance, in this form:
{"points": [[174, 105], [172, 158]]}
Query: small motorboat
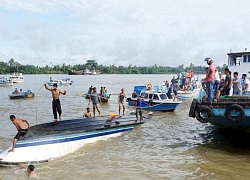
{"points": [[4, 82], [61, 82], [103, 99], [44, 142], [22, 95], [153, 100]]}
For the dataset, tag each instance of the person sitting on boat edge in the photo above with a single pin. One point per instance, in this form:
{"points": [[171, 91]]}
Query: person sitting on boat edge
{"points": [[21, 128], [105, 94], [87, 114], [16, 91], [226, 86], [30, 170]]}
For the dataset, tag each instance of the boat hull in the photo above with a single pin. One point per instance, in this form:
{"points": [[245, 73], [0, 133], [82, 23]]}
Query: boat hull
{"points": [[22, 96], [48, 141], [188, 94], [6, 84], [157, 106]]}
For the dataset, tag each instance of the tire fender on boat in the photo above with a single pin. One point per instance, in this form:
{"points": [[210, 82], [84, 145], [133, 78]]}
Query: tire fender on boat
{"points": [[204, 114], [234, 108], [192, 108], [149, 86]]}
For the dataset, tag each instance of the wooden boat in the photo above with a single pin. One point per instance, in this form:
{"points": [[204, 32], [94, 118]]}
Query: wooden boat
{"points": [[103, 99], [44, 142]]}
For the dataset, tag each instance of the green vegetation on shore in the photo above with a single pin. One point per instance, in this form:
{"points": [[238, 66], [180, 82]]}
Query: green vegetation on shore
{"points": [[13, 66]]}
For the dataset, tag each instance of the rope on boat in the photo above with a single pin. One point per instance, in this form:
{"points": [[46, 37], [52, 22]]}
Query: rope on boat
{"points": [[36, 101]]}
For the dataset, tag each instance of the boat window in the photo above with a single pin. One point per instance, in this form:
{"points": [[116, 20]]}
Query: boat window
{"points": [[155, 97], [146, 95], [142, 94], [248, 58], [163, 96], [150, 96], [244, 58]]}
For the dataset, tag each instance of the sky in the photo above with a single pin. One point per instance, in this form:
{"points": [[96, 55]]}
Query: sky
{"points": [[123, 32]]}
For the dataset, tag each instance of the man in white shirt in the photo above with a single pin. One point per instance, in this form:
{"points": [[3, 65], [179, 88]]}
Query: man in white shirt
{"points": [[246, 86]]}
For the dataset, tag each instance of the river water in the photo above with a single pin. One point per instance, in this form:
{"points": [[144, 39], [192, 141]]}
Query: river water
{"points": [[169, 146]]}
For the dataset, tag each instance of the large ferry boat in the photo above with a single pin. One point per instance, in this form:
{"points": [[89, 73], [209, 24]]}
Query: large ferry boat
{"points": [[229, 111]]}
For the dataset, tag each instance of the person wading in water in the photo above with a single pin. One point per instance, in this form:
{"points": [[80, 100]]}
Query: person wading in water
{"points": [[56, 105]]}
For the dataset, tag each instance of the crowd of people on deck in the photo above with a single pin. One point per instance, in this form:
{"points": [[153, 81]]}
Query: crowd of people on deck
{"points": [[183, 82], [215, 86]]}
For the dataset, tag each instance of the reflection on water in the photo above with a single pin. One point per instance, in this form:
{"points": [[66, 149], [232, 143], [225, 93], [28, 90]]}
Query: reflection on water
{"points": [[169, 146]]}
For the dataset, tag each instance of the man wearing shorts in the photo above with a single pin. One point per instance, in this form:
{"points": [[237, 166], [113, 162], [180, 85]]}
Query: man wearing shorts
{"points": [[94, 97], [121, 97], [21, 128]]}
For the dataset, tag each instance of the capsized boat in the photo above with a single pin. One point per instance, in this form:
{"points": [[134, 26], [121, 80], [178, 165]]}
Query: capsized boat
{"points": [[44, 142], [153, 99]]}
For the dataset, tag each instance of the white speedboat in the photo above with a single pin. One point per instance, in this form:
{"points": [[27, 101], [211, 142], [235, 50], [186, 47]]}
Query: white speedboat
{"points": [[61, 82], [4, 82], [46, 141], [17, 78]]}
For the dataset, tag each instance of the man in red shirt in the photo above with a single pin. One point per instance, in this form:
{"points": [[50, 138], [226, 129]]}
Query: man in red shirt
{"points": [[210, 79]]}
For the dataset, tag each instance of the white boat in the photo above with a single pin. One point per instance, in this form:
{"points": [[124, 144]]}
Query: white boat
{"points": [[239, 62], [61, 82], [46, 141], [4, 82], [17, 78], [190, 91]]}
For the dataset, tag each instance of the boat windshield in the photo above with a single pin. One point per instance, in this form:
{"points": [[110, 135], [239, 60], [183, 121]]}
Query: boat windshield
{"points": [[163, 96]]}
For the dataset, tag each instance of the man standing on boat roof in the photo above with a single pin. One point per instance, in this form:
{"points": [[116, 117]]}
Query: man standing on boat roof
{"points": [[56, 105], [95, 98], [210, 79]]}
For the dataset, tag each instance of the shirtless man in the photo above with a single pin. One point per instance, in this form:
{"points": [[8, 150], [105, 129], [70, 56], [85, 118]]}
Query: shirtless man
{"points": [[21, 128], [30, 170], [87, 114], [95, 98], [121, 97], [56, 105]]}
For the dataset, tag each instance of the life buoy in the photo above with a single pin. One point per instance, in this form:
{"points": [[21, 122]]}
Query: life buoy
{"points": [[150, 102], [237, 109], [149, 86], [192, 108], [128, 99], [204, 114]]}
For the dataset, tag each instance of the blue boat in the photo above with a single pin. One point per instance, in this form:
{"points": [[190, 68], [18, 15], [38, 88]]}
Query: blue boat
{"points": [[153, 99], [46, 141]]}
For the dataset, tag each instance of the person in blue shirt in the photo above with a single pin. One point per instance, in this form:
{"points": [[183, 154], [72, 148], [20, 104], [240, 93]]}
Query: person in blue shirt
{"points": [[139, 103]]}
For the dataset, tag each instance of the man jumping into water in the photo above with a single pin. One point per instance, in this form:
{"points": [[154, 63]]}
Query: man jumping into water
{"points": [[56, 105], [21, 128]]}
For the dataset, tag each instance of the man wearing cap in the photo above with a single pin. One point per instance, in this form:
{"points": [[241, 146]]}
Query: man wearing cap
{"points": [[210, 79]]}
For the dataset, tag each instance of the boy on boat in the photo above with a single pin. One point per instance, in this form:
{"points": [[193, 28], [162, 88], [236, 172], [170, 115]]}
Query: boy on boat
{"points": [[121, 97], [21, 128], [56, 105], [87, 114], [95, 98]]}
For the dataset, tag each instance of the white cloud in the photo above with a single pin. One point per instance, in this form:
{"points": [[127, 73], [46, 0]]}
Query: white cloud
{"points": [[138, 32]]}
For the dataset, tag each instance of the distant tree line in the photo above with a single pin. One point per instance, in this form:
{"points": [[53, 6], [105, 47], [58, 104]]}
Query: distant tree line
{"points": [[12, 66]]}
